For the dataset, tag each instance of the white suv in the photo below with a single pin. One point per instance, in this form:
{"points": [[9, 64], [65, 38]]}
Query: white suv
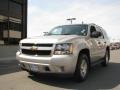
{"points": [[67, 49]]}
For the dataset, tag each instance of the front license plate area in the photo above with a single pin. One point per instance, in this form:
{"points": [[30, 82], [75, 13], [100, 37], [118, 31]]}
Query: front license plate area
{"points": [[33, 67]]}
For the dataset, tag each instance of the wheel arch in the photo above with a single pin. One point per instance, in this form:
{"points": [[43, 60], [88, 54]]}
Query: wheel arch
{"points": [[87, 52]]}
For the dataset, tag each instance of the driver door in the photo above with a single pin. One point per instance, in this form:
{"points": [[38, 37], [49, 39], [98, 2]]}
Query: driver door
{"points": [[95, 45]]}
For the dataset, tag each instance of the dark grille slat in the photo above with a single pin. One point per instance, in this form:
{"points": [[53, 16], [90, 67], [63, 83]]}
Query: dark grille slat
{"points": [[45, 45], [36, 52], [27, 44], [39, 45]]}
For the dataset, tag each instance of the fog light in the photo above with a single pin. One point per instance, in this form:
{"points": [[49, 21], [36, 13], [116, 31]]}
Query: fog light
{"points": [[47, 69]]}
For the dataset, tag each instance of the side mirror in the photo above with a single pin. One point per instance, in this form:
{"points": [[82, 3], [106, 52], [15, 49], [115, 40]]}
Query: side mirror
{"points": [[45, 33], [96, 34]]}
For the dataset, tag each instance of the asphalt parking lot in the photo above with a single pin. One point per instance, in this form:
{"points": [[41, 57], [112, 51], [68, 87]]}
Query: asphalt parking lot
{"points": [[99, 78]]}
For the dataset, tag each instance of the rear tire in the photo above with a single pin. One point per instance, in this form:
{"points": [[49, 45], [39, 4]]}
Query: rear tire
{"points": [[106, 59], [82, 68]]}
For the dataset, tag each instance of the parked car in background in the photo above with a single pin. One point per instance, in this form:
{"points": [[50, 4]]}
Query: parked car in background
{"points": [[115, 46]]}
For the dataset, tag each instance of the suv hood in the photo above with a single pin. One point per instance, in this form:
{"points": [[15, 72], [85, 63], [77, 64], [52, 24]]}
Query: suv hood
{"points": [[50, 39]]}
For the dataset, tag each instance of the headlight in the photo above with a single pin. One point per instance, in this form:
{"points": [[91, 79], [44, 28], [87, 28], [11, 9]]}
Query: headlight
{"points": [[63, 49]]}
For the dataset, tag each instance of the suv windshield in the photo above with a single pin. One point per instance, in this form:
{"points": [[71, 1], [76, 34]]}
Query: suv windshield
{"points": [[70, 30]]}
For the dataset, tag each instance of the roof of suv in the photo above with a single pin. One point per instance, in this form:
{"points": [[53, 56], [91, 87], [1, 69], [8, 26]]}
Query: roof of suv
{"points": [[79, 24]]}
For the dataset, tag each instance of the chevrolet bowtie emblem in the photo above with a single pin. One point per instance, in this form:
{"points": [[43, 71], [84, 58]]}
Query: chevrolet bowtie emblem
{"points": [[34, 48]]}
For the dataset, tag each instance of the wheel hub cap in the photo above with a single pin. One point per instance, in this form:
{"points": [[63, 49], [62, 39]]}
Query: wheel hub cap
{"points": [[83, 68]]}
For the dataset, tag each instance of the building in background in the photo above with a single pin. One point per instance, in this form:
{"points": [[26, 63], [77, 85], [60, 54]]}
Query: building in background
{"points": [[13, 21]]}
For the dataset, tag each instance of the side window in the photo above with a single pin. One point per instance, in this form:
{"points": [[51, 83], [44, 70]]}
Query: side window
{"points": [[92, 29], [102, 36]]}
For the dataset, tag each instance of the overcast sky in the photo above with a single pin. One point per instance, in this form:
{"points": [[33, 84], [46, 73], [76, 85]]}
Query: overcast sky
{"points": [[45, 14]]}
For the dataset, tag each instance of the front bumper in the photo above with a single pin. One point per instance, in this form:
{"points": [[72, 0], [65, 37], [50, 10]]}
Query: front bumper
{"points": [[64, 64]]}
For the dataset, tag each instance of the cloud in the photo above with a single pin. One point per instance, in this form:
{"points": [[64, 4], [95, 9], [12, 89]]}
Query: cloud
{"points": [[107, 16]]}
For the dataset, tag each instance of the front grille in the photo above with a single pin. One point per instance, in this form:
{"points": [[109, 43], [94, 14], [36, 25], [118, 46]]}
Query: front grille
{"points": [[39, 45], [36, 52]]}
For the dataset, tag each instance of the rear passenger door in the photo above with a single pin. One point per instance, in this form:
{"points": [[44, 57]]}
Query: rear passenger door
{"points": [[102, 43]]}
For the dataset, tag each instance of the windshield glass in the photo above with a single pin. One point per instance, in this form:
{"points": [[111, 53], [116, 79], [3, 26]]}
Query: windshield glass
{"points": [[70, 30]]}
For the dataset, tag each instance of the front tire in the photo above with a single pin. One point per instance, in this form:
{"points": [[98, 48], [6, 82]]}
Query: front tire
{"points": [[82, 68]]}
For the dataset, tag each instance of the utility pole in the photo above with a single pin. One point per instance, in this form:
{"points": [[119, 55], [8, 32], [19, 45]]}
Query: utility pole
{"points": [[71, 20]]}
